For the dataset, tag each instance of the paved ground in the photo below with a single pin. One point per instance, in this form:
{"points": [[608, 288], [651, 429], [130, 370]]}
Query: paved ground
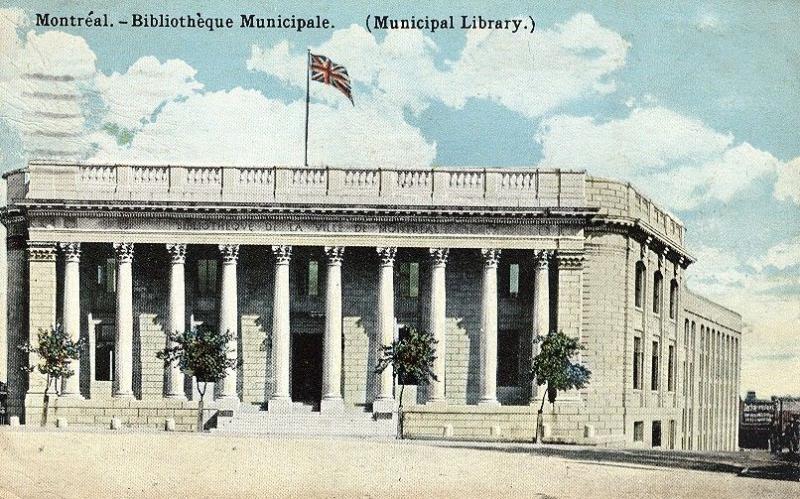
{"points": [[120, 464]]}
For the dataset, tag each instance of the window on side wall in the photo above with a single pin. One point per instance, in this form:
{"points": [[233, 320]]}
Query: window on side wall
{"points": [[639, 285], [658, 281], [107, 275], [654, 367], [673, 299], [638, 360], [671, 369], [638, 431], [513, 280]]}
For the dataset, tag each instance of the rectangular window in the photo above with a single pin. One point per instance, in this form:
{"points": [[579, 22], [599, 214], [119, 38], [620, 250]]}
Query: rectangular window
{"points": [[206, 277], [107, 276], [654, 367], [312, 278], [508, 347], [638, 360], [513, 280], [409, 279], [673, 299], [638, 431], [656, 434], [671, 369], [672, 432]]}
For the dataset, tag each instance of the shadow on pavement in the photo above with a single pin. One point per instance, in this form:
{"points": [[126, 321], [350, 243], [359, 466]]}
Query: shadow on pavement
{"points": [[738, 463]]}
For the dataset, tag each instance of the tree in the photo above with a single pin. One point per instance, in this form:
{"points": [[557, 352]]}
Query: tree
{"points": [[55, 351], [411, 357], [554, 367], [201, 352]]}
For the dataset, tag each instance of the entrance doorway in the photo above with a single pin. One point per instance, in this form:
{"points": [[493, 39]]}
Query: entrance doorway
{"points": [[307, 368]]}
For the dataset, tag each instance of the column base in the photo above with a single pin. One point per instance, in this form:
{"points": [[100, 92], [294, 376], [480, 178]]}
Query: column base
{"points": [[384, 406], [279, 405], [436, 402], [489, 403], [333, 404], [72, 396]]}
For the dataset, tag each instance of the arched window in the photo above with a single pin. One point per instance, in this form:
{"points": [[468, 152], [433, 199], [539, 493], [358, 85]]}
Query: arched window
{"points": [[658, 281], [639, 285], [673, 299]]}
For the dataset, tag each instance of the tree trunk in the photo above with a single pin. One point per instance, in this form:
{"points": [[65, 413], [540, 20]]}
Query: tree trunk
{"points": [[400, 414], [540, 421], [46, 402], [200, 404]]}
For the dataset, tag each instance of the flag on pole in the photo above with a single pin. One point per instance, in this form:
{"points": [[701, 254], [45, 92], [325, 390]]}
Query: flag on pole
{"points": [[328, 72]]}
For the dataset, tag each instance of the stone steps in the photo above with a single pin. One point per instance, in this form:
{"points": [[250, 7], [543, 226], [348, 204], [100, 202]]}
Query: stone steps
{"points": [[307, 423]]}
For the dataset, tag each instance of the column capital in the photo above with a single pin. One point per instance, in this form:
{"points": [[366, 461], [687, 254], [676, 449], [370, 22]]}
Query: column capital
{"points": [[334, 254], [570, 260], [439, 256], [39, 251], [491, 256], [542, 258], [229, 252], [282, 254], [387, 255], [71, 251], [124, 252], [177, 252]]}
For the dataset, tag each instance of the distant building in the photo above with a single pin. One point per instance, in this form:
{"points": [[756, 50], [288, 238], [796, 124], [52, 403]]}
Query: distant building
{"points": [[755, 420], [313, 268]]}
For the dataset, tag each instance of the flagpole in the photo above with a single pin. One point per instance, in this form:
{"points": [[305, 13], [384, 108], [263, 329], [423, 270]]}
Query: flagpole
{"points": [[308, 82]]}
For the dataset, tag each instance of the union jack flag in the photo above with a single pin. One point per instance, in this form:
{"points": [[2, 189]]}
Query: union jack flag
{"points": [[328, 72]]}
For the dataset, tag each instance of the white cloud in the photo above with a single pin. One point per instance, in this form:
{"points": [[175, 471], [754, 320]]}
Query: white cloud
{"points": [[534, 76], [656, 147], [245, 127], [787, 187], [133, 96], [781, 256]]}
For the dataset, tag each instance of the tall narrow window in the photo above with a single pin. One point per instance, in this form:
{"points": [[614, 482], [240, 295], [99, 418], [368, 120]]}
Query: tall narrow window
{"points": [[513, 279], [657, 284], [312, 278], [671, 369], [409, 279], [638, 431], [656, 434], [107, 275], [639, 285], [206, 277], [638, 360], [508, 357], [654, 367], [673, 299]]}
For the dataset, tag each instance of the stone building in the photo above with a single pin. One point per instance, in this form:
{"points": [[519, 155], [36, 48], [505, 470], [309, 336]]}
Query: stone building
{"points": [[313, 268]]}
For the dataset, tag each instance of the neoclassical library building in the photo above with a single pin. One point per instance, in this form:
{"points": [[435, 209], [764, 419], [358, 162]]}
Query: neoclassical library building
{"points": [[313, 269]]}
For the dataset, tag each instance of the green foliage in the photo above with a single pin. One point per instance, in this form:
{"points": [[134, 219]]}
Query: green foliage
{"points": [[55, 351], [554, 366], [411, 356], [201, 352]]}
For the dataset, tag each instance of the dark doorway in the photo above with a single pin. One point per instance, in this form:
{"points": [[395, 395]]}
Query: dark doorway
{"points": [[307, 368]]}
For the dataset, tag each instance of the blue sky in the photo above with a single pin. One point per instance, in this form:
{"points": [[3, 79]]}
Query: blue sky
{"points": [[696, 103]]}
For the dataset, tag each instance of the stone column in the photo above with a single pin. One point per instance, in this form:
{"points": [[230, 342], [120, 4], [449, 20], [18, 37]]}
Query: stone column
{"points": [[438, 323], [71, 310], [281, 401], [40, 301], [541, 306], [177, 315], [488, 338], [384, 401], [332, 343], [123, 344], [229, 316]]}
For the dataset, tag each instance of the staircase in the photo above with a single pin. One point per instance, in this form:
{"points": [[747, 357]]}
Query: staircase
{"points": [[303, 421]]}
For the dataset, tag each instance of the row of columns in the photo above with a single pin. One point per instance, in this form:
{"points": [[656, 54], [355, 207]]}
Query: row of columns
{"points": [[332, 354]]}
